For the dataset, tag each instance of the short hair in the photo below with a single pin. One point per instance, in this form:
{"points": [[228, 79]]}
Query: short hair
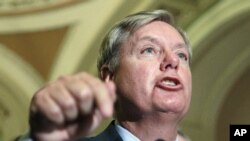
{"points": [[112, 42]]}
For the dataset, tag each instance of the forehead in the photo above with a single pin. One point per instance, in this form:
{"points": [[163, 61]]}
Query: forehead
{"points": [[159, 30], [159, 33]]}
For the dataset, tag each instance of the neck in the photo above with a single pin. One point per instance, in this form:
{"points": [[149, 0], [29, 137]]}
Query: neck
{"points": [[152, 127]]}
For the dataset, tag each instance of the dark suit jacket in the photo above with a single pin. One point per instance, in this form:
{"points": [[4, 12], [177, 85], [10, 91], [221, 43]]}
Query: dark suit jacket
{"points": [[109, 134]]}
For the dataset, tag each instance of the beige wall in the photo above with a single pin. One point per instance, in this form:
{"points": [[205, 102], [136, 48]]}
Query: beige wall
{"points": [[41, 40]]}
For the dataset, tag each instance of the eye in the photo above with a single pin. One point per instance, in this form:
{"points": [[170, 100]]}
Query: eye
{"points": [[183, 56], [148, 50]]}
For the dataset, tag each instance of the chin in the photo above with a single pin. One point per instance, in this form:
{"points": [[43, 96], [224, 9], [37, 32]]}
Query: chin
{"points": [[178, 108]]}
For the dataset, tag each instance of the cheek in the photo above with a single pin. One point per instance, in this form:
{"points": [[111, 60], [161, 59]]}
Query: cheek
{"points": [[145, 76], [141, 71], [136, 81], [185, 74], [137, 76], [187, 79]]}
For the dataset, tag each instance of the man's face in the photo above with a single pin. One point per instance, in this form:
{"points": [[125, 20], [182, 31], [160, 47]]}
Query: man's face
{"points": [[154, 73]]}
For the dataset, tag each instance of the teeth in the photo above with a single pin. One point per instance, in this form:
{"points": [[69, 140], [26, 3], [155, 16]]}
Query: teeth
{"points": [[169, 82]]}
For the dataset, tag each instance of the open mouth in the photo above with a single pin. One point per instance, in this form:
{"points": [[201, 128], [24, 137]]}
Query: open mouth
{"points": [[169, 83]]}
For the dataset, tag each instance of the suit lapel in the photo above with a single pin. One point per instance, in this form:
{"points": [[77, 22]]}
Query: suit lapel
{"points": [[109, 134]]}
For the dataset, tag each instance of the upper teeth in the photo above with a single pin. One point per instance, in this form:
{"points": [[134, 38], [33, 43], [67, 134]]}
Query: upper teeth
{"points": [[169, 82]]}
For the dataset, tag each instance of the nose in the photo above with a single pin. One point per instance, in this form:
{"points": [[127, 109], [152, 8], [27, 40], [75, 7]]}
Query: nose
{"points": [[170, 61]]}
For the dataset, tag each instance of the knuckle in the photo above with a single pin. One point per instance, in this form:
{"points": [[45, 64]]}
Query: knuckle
{"points": [[54, 87], [68, 104], [39, 96], [84, 76], [64, 78], [54, 112], [102, 89], [49, 86], [84, 93], [98, 84]]}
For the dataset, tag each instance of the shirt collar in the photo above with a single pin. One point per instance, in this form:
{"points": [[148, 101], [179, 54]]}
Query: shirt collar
{"points": [[125, 134], [128, 136]]}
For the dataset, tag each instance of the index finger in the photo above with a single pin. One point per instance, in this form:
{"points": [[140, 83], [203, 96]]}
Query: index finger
{"points": [[101, 94]]}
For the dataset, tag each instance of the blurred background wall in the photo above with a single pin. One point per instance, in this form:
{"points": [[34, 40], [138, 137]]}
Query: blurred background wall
{"points": [[43, 39]]}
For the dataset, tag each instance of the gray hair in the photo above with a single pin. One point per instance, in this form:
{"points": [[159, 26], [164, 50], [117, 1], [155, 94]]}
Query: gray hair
{"points": [[112, 42]]}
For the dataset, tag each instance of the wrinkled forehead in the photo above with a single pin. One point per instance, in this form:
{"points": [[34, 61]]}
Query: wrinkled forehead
{"points": [[141, 27], [173, 33], [157, 32]]}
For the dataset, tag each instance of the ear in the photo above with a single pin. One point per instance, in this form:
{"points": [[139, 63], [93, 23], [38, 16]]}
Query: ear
{"points": [[106, 73]]}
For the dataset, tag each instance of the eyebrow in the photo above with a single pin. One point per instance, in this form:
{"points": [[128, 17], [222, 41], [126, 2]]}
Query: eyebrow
{"points": [[150, 39], [181, 45], [155, 41]]}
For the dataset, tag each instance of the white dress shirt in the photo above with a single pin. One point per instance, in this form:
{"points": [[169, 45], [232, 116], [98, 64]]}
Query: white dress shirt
{"points": [[125, 134], [128, 136]]}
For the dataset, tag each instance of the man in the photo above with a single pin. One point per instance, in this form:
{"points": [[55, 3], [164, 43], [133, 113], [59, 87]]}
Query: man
{"points": [[144, 68]]}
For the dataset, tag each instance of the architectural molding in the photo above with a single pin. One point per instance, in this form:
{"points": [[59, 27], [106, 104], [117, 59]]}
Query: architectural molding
{"points": [[44, 20], [221, 49], [17, 84], [14, 7], [82, 35], [220, 90], [220, 14]]}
